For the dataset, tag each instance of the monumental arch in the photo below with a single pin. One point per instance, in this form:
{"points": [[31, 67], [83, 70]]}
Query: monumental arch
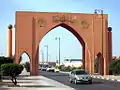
{"points": [[90, 29]]}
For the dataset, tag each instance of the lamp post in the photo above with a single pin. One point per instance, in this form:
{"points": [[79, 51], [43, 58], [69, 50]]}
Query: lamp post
{"points": [[58, 38], [56, 60], [47, 51], [49, 58], [42, 56]]}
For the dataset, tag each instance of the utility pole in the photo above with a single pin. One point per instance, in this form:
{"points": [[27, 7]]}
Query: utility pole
{"points": [[56, 60], [47, 52], [58, 38], [42, 56]]}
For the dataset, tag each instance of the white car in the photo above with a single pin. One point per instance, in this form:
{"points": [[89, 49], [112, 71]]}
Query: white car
{"points": [[57, 70], [50, 68], [79, 76], [44, 67]]}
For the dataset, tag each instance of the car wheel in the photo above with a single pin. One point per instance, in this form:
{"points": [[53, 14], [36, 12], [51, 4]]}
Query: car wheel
{"points": [[90, 82], [75, 81]]}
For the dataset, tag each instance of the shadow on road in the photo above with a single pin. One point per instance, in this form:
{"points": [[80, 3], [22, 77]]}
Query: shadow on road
{"points": [[55, 75], [36, 86], [94, 82], [20, 78], [17, 82], [98, 82]]}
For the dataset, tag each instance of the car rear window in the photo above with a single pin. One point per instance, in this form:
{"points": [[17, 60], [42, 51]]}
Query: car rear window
{"points": [[50, 66], [81, 72]]}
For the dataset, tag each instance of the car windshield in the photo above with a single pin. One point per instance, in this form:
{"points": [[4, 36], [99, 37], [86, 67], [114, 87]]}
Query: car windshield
{"points": [[40, 65], [45, 66], [81, 73]]}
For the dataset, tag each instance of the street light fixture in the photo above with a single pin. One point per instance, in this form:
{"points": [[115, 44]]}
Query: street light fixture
{"points": [[47, 51], [49, 58], [58, 38]]}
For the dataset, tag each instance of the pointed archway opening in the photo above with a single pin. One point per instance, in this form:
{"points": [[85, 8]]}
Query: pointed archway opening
{"points": [[71, 44], [25, 60], [99, 64]]}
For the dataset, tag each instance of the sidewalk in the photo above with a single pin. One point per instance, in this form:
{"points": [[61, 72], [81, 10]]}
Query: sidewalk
{"points": [[34, 82], [106, 77]]}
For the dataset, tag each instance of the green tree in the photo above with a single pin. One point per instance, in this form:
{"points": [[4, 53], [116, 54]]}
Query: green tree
{"points": [[4, 60], [115, 67], [12, 70]]}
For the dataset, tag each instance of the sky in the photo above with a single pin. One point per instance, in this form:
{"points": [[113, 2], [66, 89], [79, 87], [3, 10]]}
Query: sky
{"points": [[7, 16]]}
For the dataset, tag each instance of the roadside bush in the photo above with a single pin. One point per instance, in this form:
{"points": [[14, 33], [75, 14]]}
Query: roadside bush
{"points": [[80, 67], [12, 70], [67, 69], [115, 67], [73, 68], [59, 67], [4, 60], [96, 64]]}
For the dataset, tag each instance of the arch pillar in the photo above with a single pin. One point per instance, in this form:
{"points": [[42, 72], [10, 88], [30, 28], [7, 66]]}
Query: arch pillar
{"points": [[92, 63], [100, 64], [34, 65], [83, 56], [36, 62], [87, 60], [35, 52], [110, 45]]}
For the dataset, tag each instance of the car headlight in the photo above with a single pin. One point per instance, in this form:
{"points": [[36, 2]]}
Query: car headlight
{"points": [[90, 77], [77, 78]]}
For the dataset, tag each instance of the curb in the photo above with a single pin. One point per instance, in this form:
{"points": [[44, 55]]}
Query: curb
{"points": [[64, 72], [99, 77]]}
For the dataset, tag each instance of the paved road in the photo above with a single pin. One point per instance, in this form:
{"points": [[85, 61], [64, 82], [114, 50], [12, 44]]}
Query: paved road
{"points": [[98, 84]]}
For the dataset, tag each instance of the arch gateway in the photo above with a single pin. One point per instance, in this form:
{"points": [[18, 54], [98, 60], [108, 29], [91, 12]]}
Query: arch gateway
{"points": [[90, 29]]}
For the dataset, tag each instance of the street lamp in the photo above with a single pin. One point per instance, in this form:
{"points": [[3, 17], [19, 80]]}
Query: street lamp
{"points": [[58, 38], [47, 51], [42, 56], [49, 57]]}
